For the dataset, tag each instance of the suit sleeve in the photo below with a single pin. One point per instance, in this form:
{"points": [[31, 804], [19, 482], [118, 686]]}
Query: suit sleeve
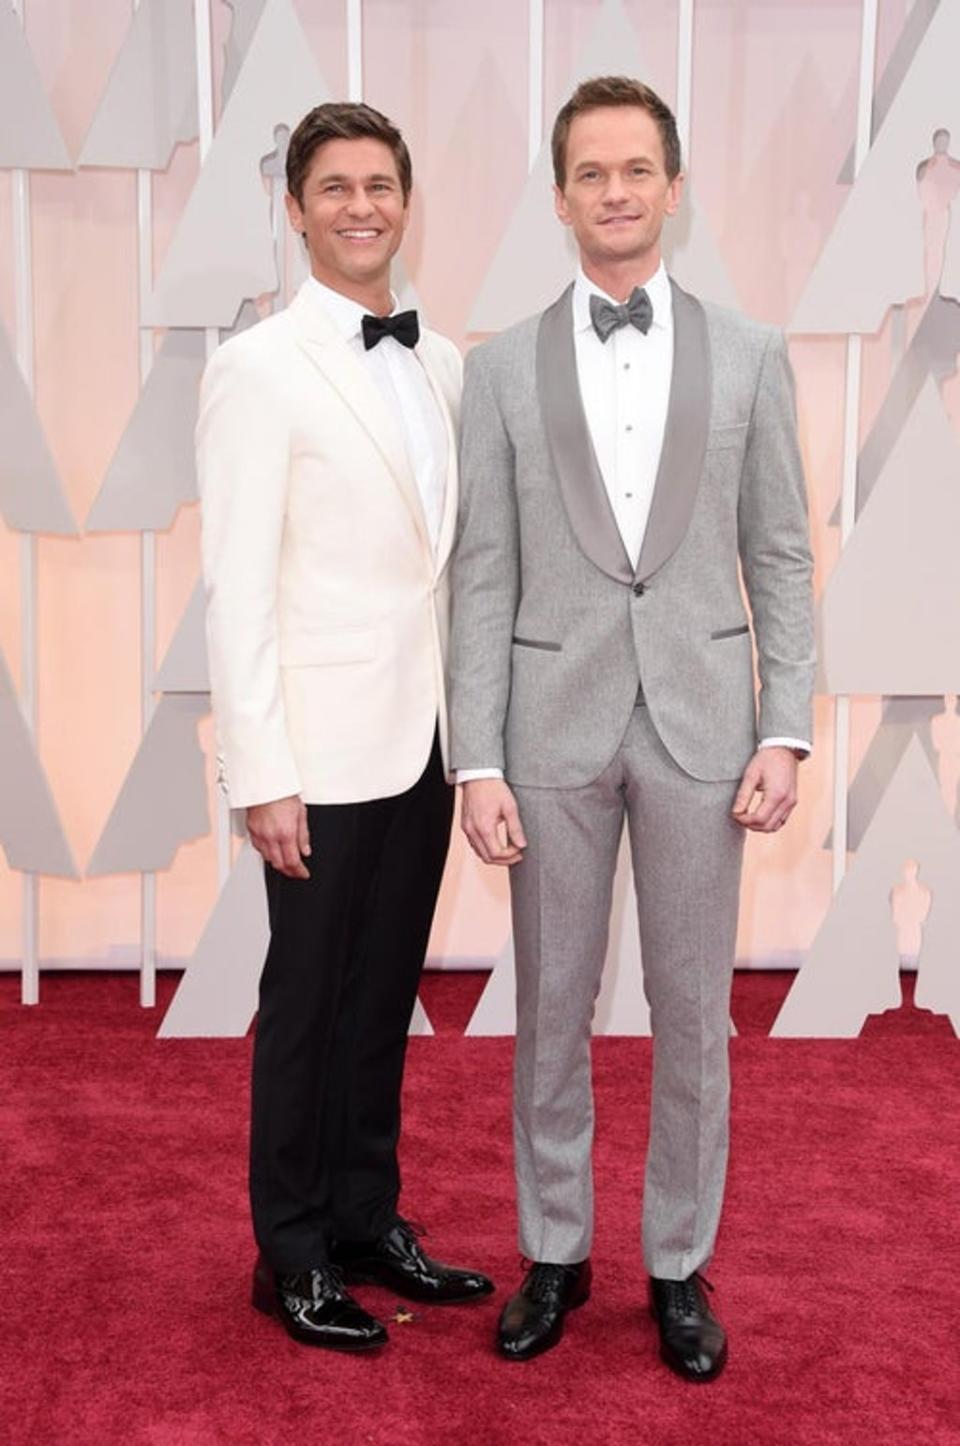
{"points": [[243, 469], [485, 578], [775, 552]]}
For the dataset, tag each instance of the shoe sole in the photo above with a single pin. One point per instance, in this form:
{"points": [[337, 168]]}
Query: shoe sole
{"points": [[547, 1344], [264, 1304], [359, 1277]]}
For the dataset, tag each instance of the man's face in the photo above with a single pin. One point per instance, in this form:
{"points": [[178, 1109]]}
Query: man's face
{"points": [[617, 191], [353, 213]]}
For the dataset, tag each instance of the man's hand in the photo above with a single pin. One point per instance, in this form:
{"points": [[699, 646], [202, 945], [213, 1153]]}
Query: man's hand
{"points": [[491, 821], [279, 833], [768, 790]]}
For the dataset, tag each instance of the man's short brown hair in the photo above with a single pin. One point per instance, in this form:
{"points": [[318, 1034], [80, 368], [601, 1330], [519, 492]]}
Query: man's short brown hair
{"points": [[614, 90], [343, 121]]}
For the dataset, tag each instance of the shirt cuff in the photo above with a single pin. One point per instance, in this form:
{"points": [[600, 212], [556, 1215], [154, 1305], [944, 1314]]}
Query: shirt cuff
{"points": [[800, 744], [467, 775]]}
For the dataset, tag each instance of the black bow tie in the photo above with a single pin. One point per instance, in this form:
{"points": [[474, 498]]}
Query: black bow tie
{"points": [[403, 327], [636, 311]]}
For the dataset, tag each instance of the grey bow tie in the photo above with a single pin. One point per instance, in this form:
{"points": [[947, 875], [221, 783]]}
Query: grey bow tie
{"points": [[635, 311]]}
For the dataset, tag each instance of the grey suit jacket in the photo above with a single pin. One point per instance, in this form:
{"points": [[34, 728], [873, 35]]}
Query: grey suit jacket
{"points": [[552, 629]]}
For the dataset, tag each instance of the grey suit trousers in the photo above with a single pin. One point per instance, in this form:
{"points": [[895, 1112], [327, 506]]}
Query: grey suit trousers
{"points": [[687, 854]]}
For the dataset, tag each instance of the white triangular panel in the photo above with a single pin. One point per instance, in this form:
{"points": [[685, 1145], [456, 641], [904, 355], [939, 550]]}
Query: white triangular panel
{"points": [[852, 969], [184, 668], [536, 258], [29, 134], [153, 471], [915, 27], [223, 250], [32, 498], [150, 102], [873, 258], [163, 801], [30, 830], [217, 995], [891, 609]]}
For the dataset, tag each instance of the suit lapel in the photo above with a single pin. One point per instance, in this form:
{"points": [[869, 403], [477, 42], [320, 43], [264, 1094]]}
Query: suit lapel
{"points": [[684, 438], [448, 517], [568, 437], [345, 372]]}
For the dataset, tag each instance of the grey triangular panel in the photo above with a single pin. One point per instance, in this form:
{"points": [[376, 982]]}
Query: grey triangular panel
{"points": [[153, 471], [621, 1005], [30, 829], [29, 134], [163, 802], [901, 58], [150, 103], [185, 669], [852, 969], [217, 995], [243, 26], [223, 250], [903, 719], [932, 353], [855, 280], [32, 498], [891, 609], [537, 258]]}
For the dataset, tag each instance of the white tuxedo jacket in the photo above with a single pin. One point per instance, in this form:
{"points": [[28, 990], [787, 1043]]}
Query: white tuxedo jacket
{"points": [[327, 608]]}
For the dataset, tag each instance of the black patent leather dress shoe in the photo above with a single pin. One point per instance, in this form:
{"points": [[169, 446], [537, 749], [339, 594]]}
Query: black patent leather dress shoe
{"points": [[692, 1341], [314, 1308], [398, 1262], [532, 1320]]}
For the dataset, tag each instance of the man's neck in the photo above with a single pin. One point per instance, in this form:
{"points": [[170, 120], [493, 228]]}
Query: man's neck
{"points": [[618, 278], [374, 295]]}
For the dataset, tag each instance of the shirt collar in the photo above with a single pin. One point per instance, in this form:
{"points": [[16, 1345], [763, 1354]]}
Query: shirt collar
{"points": [[345, 313], [657, 288]]}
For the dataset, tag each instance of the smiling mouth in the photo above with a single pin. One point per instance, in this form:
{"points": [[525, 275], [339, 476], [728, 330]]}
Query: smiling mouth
{"points": [[357, 233], [618, 220]]}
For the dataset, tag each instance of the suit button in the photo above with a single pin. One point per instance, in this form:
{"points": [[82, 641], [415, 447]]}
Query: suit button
{"points": [[639, 589]]}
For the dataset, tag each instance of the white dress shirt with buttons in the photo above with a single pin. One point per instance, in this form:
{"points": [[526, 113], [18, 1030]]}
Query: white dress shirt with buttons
{"points": [[625, 388], [405, 387]]}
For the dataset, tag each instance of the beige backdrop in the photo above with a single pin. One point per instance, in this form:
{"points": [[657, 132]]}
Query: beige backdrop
{"points": [[774, 91]]}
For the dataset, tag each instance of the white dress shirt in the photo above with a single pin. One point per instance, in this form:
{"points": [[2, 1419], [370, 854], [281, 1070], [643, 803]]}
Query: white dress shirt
{"points": [[625, 389], [405, 387]]}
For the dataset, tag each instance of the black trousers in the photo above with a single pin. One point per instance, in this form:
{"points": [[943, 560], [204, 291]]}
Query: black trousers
{"points": [[336, 996]]}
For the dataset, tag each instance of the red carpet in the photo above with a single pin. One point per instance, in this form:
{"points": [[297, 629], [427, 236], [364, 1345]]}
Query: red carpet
{"points": [[126, 1251]]}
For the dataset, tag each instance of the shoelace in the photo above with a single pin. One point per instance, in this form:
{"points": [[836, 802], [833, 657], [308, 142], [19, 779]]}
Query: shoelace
{"points": [[684, 1295], [543, 1280]]}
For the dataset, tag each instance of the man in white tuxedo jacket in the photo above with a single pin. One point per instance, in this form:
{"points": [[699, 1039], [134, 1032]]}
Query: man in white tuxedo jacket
{"points": [[327, 465], [624, 453]]}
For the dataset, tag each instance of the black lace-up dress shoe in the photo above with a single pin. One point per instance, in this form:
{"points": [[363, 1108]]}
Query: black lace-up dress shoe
{"points": [[398, 1262], [314, 1308], [532, 1320], [692, 1341]]}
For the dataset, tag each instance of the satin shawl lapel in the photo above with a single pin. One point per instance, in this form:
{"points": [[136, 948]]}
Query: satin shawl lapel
{"points": [[571, 450], [684, 438], [337, 361], [448, 516]]}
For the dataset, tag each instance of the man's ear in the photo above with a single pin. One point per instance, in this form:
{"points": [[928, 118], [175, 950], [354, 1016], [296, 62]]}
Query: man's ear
{"points": [[560, 206], [675, 194], [294, 212]]}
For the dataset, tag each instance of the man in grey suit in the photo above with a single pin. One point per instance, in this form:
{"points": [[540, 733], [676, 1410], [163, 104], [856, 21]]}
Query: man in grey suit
{"points": [[621, 454]]}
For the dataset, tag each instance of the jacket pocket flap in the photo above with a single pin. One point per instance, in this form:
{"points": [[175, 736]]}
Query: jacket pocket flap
{"points": [[308, 649], [726, 434]]}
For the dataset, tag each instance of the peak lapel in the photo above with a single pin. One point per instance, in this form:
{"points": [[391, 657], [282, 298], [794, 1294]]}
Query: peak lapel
{"points": [[568, 437], [684, 438], [343, 369]]}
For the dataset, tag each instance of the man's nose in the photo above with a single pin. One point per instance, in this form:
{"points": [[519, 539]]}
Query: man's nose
{"points": [[615, 192], [359, 203]]}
